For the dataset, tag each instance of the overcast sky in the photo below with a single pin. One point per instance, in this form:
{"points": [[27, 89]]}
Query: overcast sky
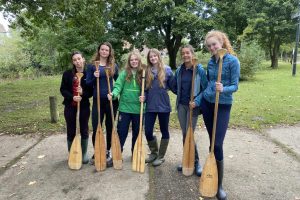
{"points": [[3, 21]]}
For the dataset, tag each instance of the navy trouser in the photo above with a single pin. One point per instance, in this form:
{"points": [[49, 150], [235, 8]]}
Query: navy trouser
{"points": [[123, 127], [70, 117], [222, 124], [163, 119], [104, 111]]}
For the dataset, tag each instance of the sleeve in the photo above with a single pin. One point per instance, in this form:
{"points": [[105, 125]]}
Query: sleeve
{"points": [[173, 83], [87, 90], [90, 78], [234, 78], [116, 72], [203, 85], [119, 84], [65, 92]]}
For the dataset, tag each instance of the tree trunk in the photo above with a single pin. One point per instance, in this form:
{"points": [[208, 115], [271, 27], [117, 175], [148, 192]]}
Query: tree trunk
{"points": [[173, 46], [274, 54]]}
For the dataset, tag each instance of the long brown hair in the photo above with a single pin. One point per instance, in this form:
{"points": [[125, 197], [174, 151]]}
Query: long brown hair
{"points": [[110, 60], [138, 76], [221, 37], [161, 74]]}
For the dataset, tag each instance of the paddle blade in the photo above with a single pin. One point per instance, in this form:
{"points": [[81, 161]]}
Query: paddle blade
{"points": [[100, 153], [116, 150], [209, 179], [75, 156], [138, 159], [188, 159], [221, 52]]}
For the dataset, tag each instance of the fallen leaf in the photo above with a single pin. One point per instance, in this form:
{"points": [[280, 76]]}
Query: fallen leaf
{"points": [[14, 166], [41, 156], [24, 162], [275, 151], [11, 194], [200, 198], [19, 172], [230, 156], [32, 183]]}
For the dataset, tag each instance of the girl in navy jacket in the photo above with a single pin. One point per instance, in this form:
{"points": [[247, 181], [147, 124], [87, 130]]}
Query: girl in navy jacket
{"points": [[73, 94], [158, 81], [104, 54], [215, 40]]}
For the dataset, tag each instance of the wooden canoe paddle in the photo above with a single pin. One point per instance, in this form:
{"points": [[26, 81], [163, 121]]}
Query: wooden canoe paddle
{"points": [[75, 155], [209, 179], [138, 159], [115, 141], [188, 159], [100, 148]]}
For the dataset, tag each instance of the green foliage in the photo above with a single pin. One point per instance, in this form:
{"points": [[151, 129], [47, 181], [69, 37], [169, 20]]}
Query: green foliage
{"points": [[13, 58], [270, 23], [251, 55]]}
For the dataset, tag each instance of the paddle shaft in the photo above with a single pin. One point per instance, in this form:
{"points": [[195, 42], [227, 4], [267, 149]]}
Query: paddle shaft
{"points": [[98, 94], [142, 103], [216, 106], [79, 75], [110, 101], [192, 94]]}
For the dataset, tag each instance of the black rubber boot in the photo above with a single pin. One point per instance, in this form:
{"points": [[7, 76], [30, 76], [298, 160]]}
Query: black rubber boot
{"points": [[161, 153], [69, 145], [198, 168], [221, 194], [109, 161], [84, 146], [154, 150]]}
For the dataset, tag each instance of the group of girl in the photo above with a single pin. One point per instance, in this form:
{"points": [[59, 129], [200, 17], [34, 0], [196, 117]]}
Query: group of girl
{"points": [[126, 96]]}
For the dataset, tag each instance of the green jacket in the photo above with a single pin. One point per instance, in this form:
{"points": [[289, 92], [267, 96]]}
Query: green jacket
{"points": [[129, 93]]}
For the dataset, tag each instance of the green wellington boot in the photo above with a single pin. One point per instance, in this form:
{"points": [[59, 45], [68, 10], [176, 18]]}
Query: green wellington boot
{"points": [[161, 153], [84, 146], [154, 150]]}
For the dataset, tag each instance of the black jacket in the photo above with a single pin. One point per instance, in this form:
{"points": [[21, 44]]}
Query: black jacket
{"points": [[66, 88]]}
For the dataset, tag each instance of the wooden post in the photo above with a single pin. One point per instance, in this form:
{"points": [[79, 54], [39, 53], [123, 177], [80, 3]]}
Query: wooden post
{"points": [[53, 109]]}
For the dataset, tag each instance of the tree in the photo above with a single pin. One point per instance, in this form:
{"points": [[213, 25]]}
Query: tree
{"points": [[270, 23], [161, 23]]}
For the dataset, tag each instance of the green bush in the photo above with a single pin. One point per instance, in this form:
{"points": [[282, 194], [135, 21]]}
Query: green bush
{"points": [[250, 56]]}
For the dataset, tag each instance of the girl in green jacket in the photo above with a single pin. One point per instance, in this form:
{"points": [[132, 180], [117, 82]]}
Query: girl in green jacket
{"points": [[128, 88]]}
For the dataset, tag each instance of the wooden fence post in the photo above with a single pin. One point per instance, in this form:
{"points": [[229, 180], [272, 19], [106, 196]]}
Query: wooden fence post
{"points": [[53, 109]]}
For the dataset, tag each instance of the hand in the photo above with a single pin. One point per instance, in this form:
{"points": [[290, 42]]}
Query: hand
{"points": [[219, 87], [142, 99], [77, 98], [96, 74], [192, 104], [109, 96], [79, 90]]}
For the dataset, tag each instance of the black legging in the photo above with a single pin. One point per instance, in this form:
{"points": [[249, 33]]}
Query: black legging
{"points": [[70, 117], [104, 110], [222, 124]]}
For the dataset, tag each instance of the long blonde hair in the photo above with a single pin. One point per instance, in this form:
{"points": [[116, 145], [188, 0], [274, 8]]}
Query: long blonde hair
{"points": [[110, 60], [221, 37], [161, 74], [129, 75]]}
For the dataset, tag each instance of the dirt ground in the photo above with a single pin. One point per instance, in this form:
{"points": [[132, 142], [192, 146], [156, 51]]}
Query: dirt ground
{"points": [[257, 166]]}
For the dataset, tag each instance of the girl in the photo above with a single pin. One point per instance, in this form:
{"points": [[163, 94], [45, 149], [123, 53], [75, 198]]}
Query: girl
{"points": [[104, 54], [158, 81], [182, 87], [128, 88], [215, 40], [73, 94]]}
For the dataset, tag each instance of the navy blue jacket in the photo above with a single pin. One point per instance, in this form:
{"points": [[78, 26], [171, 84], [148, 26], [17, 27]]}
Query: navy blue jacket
{"points": [[91, 80], [157, 98]]}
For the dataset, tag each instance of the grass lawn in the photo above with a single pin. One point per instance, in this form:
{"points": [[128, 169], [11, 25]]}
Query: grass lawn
{"points": [[271, 98]]}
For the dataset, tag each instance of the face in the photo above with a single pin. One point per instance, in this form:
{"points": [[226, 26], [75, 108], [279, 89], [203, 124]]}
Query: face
{"points": [[104, 51], [78, 61], [186, 55], [153, 58], [213, 44], [134, 61]]}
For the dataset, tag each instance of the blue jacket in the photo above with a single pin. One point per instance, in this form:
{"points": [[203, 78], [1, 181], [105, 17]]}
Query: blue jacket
{"points": [[200, 84], [157, 98], [91, 80], [229, 79]]}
